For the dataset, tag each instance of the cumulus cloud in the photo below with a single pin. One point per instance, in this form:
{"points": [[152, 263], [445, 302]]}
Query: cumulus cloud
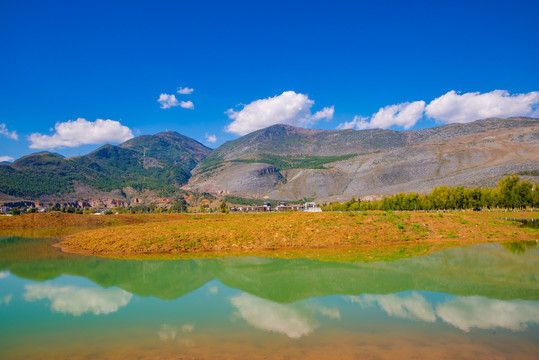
{"points": [[6, 158], [78, 132], [357, 123], [211, 139], [77, 301], [187, 105], [167, 101], [325, 113], [185, 90], [404, 115], [10, 134], [270, 316], [288, 108], [450, 108], [470, 312], [462, 108]]}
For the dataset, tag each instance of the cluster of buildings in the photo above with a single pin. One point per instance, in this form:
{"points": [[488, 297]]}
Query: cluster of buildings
{"points": [[100, 205], [281, 206], [8, 206]]}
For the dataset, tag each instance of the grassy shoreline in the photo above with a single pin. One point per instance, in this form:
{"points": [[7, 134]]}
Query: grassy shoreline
{"points": [[347, 236], [293, 232]]}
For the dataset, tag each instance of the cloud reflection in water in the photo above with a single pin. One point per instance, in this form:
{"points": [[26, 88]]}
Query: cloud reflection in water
{"points": [[464, 313], [292, 320], [482, 313], [77, 301]]}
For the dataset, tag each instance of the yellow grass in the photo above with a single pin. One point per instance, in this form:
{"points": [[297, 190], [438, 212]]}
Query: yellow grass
{"points": [[298, 232]]}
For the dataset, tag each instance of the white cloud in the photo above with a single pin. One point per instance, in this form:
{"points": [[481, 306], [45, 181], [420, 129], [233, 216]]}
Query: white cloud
{"points": [[10, 134], [450, 108], [167, 101], [404, 115], [77, 301], [6, 158], [413, 306], [211, 139], [270, 316], [4, 274], [6, 299], [187, 105], [462, 108], [81, 132], [357, 123], [470, 312], [325, 113], [185, 90], [288, 108]]}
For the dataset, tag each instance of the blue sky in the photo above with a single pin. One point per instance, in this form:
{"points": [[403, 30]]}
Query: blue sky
{"points": [[338, 64]]}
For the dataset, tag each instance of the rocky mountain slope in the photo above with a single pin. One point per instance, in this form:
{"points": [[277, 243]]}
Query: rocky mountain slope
{"points": [[157, 162], [285, 162]]}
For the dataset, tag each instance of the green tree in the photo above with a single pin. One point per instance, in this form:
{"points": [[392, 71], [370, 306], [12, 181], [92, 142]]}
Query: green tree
{"points": [[180, 206], [535, 196], [224, 207]]}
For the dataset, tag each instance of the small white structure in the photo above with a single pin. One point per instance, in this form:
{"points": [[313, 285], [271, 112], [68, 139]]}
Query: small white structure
{"points": [[311, 207]]}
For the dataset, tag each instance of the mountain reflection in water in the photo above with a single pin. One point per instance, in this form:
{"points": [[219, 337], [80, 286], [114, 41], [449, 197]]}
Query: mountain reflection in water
{"points": [[287, 308]]}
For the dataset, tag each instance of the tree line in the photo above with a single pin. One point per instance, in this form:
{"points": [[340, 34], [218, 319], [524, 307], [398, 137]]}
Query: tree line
{"points": [[510, 193]]}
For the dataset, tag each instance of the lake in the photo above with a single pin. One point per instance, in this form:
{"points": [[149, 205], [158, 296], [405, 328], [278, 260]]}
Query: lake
{"points": [[476, 302]]}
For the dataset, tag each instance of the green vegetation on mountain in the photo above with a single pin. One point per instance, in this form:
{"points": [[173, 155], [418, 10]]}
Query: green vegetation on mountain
{"points": [[473, 154], [159, 162], [295, 162]]}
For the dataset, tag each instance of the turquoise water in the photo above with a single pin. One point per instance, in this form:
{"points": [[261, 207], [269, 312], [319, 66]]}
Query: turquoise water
{"points": [[471, 303]]}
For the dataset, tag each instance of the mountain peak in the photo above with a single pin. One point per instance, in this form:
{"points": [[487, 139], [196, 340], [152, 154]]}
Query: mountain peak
{"points": [[169, 133]]}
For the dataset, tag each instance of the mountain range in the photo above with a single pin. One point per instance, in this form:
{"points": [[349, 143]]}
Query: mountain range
{"points": [[160, 162], [286, 163]]}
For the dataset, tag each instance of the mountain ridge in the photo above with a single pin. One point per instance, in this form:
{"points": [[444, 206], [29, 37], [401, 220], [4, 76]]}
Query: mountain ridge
{"points": [[160, 162], [287, 163], [383, 162]]}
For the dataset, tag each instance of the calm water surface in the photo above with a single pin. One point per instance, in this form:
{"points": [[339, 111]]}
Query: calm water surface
{"points": [[471, 303]]}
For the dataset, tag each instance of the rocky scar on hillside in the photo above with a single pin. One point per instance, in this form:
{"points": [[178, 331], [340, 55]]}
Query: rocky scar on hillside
{"points": [[289, 163]]}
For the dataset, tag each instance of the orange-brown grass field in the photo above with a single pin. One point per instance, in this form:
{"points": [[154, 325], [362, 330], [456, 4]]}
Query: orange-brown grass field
{"points": [[343, 236]]}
